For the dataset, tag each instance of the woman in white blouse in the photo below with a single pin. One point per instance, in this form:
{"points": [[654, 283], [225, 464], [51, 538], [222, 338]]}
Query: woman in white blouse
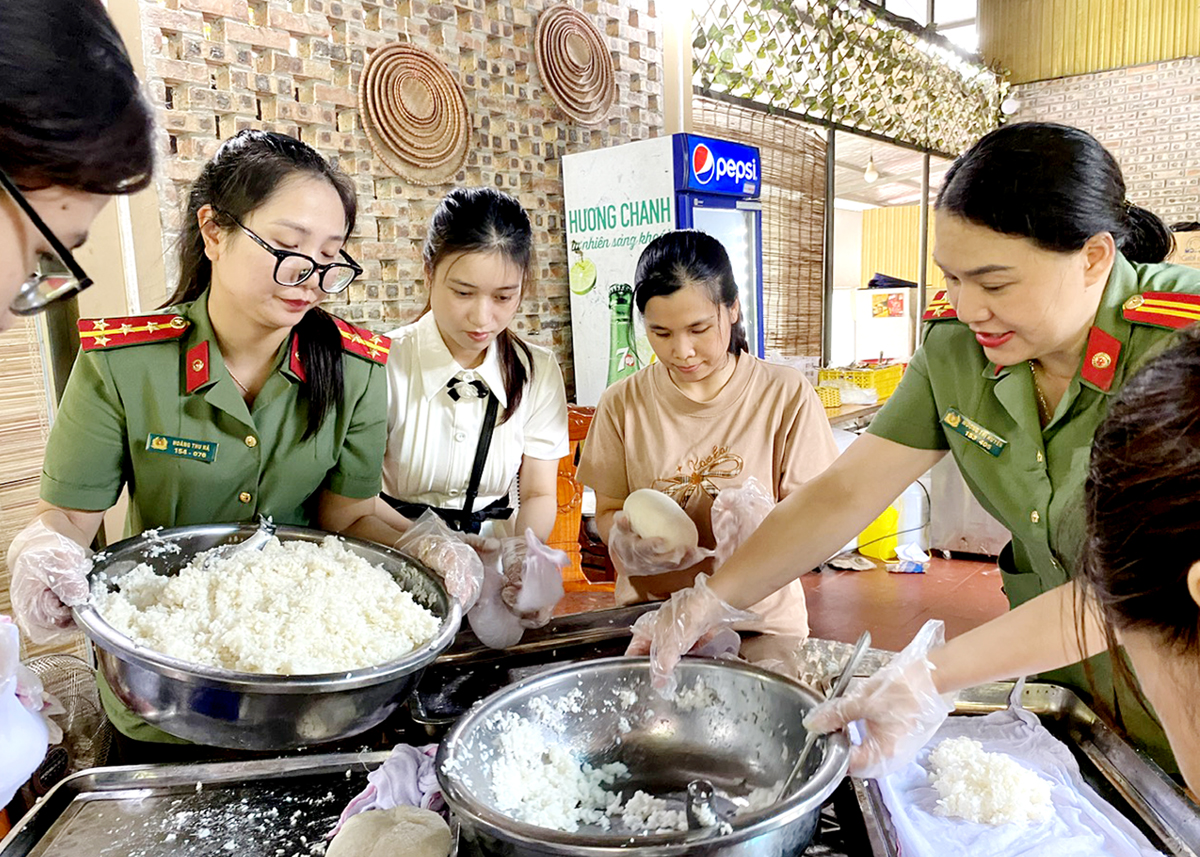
{"points": [[459, 362]]}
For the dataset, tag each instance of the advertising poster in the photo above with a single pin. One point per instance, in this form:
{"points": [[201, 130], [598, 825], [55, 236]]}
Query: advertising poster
{"points": [[617, 201]]}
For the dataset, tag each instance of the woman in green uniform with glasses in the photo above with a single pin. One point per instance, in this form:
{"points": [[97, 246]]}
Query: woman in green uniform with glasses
{"points": [[244, 398], [1054, 296]]}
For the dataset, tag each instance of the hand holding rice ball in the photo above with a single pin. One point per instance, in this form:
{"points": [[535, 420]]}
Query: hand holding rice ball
{"points": [[653, 535], [899, 705], [434, 544]]}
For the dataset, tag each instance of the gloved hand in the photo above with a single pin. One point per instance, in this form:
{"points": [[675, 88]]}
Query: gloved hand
{"points": [[49, 577], [736, 514], [532, 578], [433, 543], [408, 777], [635, 555], [900, 708], [677, 626]]}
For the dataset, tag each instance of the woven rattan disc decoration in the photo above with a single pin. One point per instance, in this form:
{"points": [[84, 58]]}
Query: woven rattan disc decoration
{"points": [[414, 114], [575, 64]]}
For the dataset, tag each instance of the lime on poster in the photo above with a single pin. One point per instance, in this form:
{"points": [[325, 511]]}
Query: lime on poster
{"points": [[582, 277]]}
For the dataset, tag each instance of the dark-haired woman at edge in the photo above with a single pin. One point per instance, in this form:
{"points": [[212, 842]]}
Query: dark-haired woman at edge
{"points": [[244, 398], [1054, 296]]}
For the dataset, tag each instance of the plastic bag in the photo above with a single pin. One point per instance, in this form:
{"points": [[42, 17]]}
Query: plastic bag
{"points": [[736, 514], [532, 578], [26, 729], [433, 543]]}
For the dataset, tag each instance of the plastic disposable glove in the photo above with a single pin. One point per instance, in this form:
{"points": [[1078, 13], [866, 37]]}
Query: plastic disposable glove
{"points": [[899, 707], [635, 555], [408, 777], [736, 514], [49, 577], [677, 626], [433, 543], [532, 578]]}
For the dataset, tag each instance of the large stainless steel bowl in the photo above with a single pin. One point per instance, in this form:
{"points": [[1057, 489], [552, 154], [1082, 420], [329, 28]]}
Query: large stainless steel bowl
{"points": [[251, 711], [747, 736]]}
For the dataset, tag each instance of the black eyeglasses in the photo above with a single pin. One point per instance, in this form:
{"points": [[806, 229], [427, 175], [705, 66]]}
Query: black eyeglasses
{"points": [[292, 269], [58, 275]]}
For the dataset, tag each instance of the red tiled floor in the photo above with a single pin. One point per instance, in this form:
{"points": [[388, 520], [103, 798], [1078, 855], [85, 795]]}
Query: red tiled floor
{"points": [[842, 604]]}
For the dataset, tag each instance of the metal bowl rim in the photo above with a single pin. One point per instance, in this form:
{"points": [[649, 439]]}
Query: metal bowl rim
{"points": [[106, 637], [802, 801]]}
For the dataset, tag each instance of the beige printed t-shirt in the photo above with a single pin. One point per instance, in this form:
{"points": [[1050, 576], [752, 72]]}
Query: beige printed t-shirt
{"points": [[767, 422]]}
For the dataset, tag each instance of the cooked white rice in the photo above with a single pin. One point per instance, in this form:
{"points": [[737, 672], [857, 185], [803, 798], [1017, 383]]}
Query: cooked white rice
{"points": [[293, 608], [986, 788]]}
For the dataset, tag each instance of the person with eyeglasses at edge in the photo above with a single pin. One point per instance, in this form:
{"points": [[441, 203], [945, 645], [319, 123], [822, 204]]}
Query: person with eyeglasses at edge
{"points": [[75, 130], [242, 398]]}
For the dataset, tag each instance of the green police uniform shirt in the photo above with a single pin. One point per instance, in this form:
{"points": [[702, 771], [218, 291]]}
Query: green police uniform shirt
{"points": [[1029, 478], [158, 411]]}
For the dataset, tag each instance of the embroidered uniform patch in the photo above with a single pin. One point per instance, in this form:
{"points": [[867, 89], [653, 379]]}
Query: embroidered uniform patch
{"points": [[988, 441], [199, 450]]}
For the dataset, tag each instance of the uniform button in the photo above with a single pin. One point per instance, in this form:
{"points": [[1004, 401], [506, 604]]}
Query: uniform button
{"points": [[454, 492], [1040, 458], [460, 436], [251, 441], [1034, 516], [245, 497]]}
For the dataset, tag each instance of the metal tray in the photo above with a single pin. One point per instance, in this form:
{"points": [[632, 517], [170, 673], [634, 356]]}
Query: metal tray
{"points": [[266, 807], [1120, 774]]}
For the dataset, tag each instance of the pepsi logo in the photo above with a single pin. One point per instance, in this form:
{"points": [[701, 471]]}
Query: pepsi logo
{"points": [[704, 165]]}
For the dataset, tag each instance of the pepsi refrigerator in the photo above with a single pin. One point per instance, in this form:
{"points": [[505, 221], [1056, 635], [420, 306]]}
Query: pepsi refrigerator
{"points": [[620, 199]]}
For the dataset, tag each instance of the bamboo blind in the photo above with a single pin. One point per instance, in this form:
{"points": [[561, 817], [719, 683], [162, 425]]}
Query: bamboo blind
{"points": [[24, 426], [793, 201], [891, 244], [1043, 39]]}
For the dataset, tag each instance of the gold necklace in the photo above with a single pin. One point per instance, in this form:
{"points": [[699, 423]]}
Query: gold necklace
{"points": [[240, 385], [1044, 413]]}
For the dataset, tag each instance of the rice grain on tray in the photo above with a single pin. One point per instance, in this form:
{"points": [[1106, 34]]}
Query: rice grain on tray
{"points": [[293, 608]]}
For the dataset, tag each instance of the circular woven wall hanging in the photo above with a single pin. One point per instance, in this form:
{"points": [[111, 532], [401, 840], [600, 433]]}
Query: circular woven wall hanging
{"points": [[414, 114], [575, 64]]}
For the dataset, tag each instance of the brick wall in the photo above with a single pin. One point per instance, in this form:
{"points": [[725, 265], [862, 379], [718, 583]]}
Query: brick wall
{"points": [[215, 67], [1148, 116]]}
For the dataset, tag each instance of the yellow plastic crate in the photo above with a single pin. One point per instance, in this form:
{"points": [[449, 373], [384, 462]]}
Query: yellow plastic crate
{"points": [[883, 381], [831, 397]]}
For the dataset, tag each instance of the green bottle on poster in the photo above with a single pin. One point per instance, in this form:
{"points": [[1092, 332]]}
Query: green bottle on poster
{"points": [[622, 350]]}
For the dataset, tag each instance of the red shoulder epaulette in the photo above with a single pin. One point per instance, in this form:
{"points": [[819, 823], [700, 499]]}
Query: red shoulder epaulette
{"points": [[95, 333], [362, 342], [1172, 310], [939, 308]]}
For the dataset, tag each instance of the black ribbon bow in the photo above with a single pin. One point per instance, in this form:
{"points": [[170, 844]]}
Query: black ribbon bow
{"points": [[459, 388]]}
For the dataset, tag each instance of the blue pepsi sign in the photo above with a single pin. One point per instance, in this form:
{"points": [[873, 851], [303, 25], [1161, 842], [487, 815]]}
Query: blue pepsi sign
{"points": [[707, 165]]}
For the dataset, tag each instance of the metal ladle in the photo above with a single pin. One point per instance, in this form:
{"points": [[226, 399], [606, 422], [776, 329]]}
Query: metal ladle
{"points": [[839, 687]]}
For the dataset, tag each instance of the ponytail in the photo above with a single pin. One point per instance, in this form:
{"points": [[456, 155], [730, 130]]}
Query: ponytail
{"points": [[510, 348], [1148, 238]]}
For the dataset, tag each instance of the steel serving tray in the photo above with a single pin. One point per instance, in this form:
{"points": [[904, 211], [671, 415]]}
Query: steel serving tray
{"points": [[263, 807], [1124, 777]]}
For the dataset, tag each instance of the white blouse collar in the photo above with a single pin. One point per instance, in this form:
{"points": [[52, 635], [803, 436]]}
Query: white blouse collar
{"points": [[438, 366]]}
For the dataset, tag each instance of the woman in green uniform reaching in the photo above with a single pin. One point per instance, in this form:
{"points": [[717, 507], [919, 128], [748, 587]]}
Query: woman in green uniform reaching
{"points": [[1054, 295], [245, 398]]}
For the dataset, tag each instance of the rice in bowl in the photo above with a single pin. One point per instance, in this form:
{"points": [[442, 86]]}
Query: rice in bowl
{"points": [[293, 608]]}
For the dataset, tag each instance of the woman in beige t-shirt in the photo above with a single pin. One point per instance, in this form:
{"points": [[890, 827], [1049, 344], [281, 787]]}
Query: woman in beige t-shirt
{"points": [[704, 418]]}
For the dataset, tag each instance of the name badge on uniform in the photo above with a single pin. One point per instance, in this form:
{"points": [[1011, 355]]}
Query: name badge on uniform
{"points": [[988, 441], [199, 450]]}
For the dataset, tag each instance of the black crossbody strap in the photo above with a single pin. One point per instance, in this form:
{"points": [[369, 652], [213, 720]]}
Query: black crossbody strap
{"points": [[481, 451]]}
